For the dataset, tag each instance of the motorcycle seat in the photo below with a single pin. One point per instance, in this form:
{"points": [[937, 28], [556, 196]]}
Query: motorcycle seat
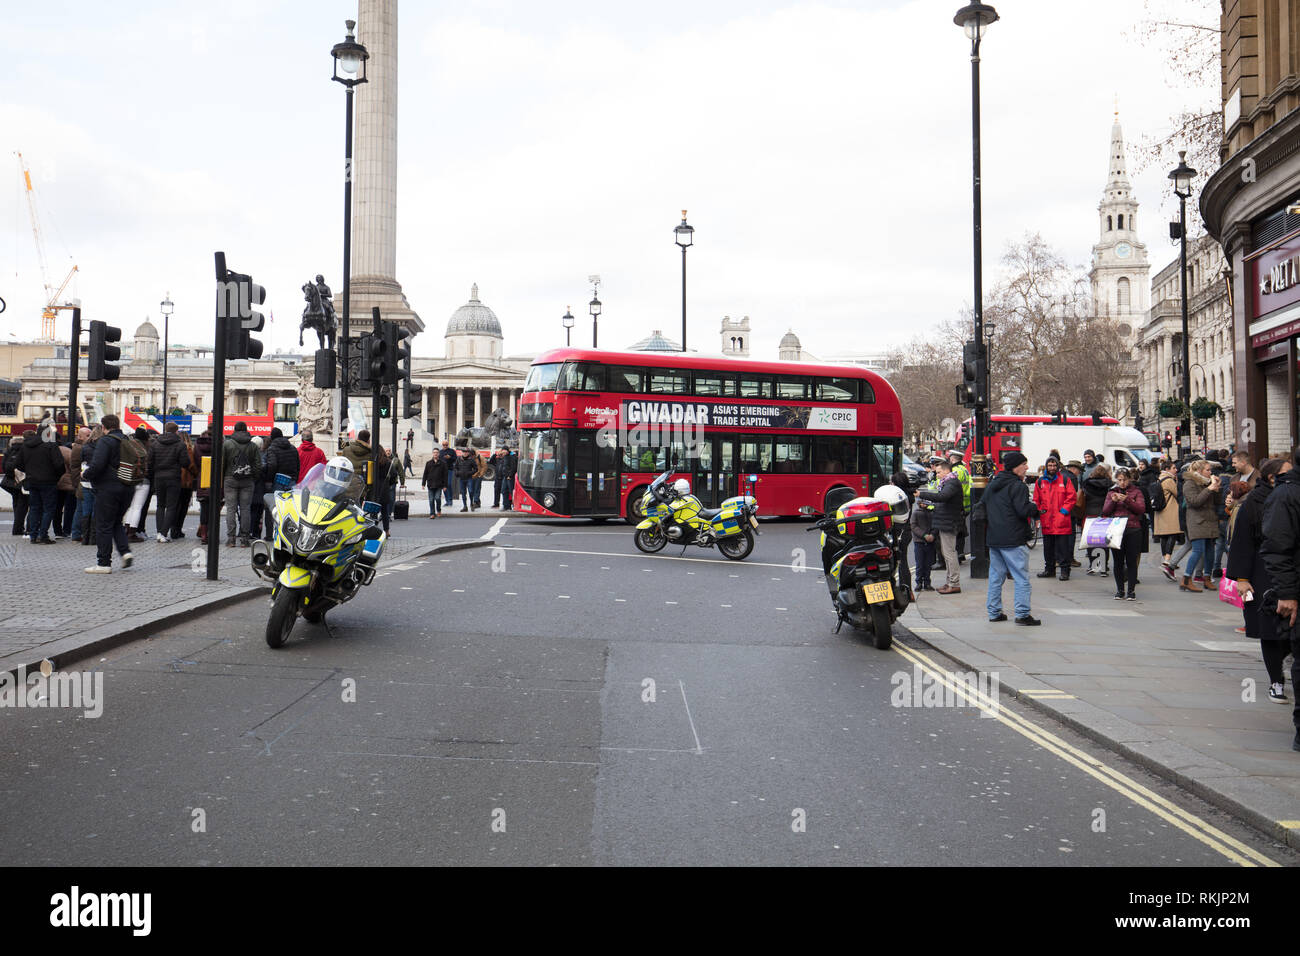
{"points": [[709, 513]]}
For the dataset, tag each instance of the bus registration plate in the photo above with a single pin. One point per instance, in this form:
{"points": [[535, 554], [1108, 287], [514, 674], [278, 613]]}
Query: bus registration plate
{"points": [[879, 593]]}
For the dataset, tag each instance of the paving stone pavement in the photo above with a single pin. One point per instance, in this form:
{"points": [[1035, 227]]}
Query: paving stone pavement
{"points": [[50, 597], [1165, 680]]}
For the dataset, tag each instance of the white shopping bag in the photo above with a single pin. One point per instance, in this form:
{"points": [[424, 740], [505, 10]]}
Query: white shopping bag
{"points": [[132, 517], [1114, 531]]}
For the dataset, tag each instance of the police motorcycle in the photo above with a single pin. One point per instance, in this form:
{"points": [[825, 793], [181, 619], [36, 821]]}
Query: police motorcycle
{"points": [[675, 516], [859, 547], [324, 549]]}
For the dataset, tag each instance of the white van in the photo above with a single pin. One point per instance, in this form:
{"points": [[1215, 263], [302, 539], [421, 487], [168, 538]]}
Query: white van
{"points": [[1120, 444]]}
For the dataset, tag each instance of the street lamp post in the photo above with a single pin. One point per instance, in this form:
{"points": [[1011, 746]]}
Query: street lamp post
{"points": [[975, 18], [166, 308], [350, 70], [594, 308], [568, 325], [1182, 176], [685, 238]]}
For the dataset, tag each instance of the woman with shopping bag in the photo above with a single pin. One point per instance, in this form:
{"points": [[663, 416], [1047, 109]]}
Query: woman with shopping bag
{"points": [[1125, 502], [1095, 488]]}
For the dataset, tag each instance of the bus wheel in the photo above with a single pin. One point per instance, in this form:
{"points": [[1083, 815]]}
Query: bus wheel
{"points": [[836, 497], [634, 513]]}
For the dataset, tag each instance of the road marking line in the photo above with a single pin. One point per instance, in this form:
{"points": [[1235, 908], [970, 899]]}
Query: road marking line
{"points": [[698, 748], [493, 531], [1188, 822], [512, 593], [562, 597], [670, 602], [927, 630], [783, 609], [457, 590], [653, 557], [1290, 824], [620, 600], [726, 605]]}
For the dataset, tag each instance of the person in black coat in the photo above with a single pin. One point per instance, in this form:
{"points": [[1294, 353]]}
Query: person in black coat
{"points": [[39, 457], [112, 496], [167, 456], [15, 487], [434, 479], [947, 520], [1252, 577], [1279, 552], [1095, 488], [281, 458]]}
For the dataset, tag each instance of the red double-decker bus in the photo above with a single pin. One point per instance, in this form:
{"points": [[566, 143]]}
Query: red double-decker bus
{"points": [[596, 427]]}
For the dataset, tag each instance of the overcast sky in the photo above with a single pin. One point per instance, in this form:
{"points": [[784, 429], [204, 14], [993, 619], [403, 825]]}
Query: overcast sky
{"points": [[821, 149]]}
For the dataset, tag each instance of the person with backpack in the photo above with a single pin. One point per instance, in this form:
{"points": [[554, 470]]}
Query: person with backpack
{"points": [[241, 466], [111, 475]]}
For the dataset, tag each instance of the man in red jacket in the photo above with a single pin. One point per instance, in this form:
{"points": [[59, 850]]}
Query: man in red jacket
{"points": [[308, 454], [1054, 495]]}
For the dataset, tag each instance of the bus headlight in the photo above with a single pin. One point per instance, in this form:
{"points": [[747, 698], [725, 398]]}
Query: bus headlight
{"points": [[548, 500]]}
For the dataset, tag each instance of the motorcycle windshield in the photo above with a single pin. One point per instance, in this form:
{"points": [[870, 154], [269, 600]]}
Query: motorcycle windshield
{"points": [[319, 483]]}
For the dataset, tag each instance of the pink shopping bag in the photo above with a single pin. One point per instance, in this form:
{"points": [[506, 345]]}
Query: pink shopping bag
{"points": [[1228, 592]]}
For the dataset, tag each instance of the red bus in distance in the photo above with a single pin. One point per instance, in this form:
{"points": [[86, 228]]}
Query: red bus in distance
{"points": [[596, 427]]}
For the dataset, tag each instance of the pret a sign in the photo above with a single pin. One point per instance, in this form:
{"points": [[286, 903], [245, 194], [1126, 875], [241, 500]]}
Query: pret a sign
{"points": [[734, 415], [1275, 278]]}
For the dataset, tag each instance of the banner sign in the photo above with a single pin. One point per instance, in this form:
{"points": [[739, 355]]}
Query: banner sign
{"points": [[724, 414]]}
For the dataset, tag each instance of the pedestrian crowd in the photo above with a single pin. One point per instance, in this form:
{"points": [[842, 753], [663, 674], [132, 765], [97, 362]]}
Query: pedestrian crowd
{"points": [[1220, 523], [452, 474]]}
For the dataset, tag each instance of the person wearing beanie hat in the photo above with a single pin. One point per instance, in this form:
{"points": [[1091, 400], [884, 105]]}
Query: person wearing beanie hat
{"points": [[1008, 511], [1090, 461], [1054, 495]]}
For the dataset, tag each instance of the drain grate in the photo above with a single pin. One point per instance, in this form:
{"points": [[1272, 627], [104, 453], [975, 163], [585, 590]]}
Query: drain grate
{"points": [[8, 555]]}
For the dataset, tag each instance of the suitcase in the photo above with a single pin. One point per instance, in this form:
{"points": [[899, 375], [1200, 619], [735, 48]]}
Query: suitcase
{"points": [[401, 507]]}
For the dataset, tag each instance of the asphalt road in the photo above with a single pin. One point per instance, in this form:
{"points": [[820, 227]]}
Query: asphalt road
{"points": [[559, 698]]}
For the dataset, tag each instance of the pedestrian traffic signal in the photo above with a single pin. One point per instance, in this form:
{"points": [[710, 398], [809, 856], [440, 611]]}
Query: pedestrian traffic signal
{"points": [[101, 352], [385, 405], [374, 357]]}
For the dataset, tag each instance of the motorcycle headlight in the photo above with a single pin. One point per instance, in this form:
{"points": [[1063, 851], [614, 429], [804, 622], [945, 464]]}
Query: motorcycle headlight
{"points": [[330, 540], [289, 529]]}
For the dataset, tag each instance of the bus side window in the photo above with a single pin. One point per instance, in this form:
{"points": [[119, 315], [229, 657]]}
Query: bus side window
{"points": [[755, 386], [624, 378], [790, 456]]}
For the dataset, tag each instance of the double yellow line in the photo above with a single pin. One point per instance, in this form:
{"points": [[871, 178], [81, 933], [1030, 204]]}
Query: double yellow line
{"points": [[1189, 823]]}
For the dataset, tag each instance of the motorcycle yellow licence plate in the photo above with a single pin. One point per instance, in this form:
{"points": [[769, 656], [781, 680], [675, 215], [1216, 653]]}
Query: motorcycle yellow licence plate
{"points": [[753, 521], [878, 593]]}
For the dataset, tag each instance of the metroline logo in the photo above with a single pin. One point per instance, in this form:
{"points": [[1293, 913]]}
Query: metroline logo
{"points": [[608, 412]]}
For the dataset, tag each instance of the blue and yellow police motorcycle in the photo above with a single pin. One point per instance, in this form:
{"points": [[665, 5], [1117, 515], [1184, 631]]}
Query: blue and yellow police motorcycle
{"points": [[675, 516], [324, 549]]}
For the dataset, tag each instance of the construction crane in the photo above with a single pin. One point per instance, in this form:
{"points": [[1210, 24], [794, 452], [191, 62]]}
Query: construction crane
{"points": [[52, 308]]}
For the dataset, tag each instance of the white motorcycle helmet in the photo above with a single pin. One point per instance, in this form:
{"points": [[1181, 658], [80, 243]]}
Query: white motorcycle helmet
{"points": [[338, 475], [896, 498], [682, 487]]}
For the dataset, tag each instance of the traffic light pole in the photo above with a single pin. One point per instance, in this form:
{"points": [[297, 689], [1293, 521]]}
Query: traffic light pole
{"points": [[980, 468], [218, 423], [377, 326], [74, 372]]}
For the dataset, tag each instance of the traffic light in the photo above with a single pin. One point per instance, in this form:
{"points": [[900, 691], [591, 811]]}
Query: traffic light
{"points": [[412, 396], [242, 293], [101, 352], [326, 366], [385, 404], [1169, 440], [374, 357], [972, 390], [399, 352]]}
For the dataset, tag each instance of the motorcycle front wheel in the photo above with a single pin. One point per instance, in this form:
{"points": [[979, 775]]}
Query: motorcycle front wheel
{"points": [[881, 626], [284, 612], [737, 547], [650, 540]]}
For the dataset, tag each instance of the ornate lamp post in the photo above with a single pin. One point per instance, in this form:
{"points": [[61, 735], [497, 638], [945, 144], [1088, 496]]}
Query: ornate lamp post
{"points": [[1182, 176], [974, 19], [567, 321], [350, 70], [685, 235], [166, 308]]}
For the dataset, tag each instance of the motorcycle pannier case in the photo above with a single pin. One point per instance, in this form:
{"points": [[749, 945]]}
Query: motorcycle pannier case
{"points": [[863, 519]]}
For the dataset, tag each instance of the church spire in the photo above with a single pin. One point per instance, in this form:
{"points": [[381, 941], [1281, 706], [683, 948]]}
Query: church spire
{"points": [[1118, 178]]}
